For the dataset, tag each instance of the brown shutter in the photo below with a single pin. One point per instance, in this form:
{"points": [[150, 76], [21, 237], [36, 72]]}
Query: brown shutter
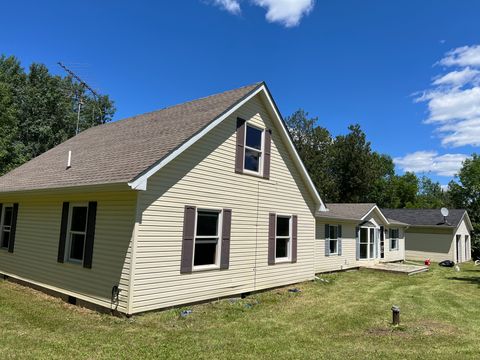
{"points": [[272, 218], [13, 228], [239, 156], [187, 243], [294, 238], [226, 230], [63, 232], [92, 219], [267, 151]]}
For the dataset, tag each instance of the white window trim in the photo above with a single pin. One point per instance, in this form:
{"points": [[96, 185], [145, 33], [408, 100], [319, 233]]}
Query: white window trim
{"points": [[261, 151], [219, 240], [397, 240], [288, 258], [2, 220], [369, 256], [330, 239], [68, 240]]}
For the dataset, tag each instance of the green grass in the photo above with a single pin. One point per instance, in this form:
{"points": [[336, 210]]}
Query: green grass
{"points": [[348, 317]]}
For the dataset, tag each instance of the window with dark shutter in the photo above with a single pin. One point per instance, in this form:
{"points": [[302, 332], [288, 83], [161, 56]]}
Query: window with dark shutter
{"points": [[90, 234], [267, 154], [13, 229], [226, 234], [8, 225], [187, 242], [63, 232], [240, 148]]}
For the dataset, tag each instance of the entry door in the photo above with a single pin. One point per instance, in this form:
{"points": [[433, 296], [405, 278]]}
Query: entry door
{"points": [[382, 243]]}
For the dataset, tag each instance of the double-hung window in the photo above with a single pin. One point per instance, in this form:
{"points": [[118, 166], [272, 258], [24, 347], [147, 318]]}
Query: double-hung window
{"points": [[283, 238], [77, 232], [333, 239], [253, 149], [6, 226], [207, 238], [394, 235]]}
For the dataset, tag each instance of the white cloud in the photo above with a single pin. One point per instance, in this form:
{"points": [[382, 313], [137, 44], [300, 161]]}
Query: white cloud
{"points": [[462, 56], [458, 78], [454, 99], [431, 162], [232, 6], [286, 12]]}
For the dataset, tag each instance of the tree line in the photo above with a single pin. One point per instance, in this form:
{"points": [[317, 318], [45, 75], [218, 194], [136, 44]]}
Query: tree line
{"points": [[345, 169], [38, 110]]}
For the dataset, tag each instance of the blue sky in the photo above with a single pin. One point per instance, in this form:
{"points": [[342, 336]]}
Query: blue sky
{"points": [[407, 71]]}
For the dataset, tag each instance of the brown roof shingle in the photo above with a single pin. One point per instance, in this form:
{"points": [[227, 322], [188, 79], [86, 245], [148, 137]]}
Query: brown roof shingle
{"points": [[120, 151]]}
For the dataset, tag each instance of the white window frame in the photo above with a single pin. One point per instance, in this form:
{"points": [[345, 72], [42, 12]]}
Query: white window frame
{"points": [[330, 240], [261, 151], [68, 244], [396, 239], [218, 250], [368, 243], [2, 230], [288, 258]]}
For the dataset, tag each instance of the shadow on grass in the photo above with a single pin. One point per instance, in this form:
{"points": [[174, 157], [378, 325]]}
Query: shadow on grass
{"points": [[472, 280]]}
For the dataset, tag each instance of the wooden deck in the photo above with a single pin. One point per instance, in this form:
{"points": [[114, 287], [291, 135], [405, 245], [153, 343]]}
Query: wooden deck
{"points": [[398, 268]]}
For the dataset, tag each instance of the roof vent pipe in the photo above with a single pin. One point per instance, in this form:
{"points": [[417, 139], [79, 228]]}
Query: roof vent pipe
{"points": [[69, 161]]}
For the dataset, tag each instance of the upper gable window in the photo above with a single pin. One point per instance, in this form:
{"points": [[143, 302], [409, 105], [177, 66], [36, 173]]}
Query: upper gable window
{"points": [[253, 149]]}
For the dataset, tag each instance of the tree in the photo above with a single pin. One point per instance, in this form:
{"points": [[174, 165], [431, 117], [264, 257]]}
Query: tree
{"points": [[313, 144], [430, 195], [465, 194], [38, 111]]}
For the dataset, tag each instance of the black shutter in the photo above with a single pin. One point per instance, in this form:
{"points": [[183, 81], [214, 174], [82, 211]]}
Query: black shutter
{"points": [[239, 155], [92, 218], [187, 242], [327, 240], [267, 152], [63, 232], [226, 234], [272, 218], [357, 240], [294, 237], [13, 228], [339, 240]]}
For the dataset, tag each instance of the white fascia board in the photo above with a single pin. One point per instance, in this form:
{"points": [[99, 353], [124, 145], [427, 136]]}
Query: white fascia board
{"points": [[141, 182], [375, 207], [136, 184]]}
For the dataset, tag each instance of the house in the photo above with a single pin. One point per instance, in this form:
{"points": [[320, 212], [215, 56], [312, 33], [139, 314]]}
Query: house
{"points": [[356, 235], [194, 202], [431, 236]]}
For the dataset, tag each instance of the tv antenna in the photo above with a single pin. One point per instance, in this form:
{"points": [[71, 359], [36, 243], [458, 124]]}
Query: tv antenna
{"points": [[79, 96]]}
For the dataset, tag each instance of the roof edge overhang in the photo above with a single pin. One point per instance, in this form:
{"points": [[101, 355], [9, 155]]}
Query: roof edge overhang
{"points": [[120, 186], [140, 181]]}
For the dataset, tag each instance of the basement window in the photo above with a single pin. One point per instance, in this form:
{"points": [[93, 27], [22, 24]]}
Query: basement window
{"points": [[283, 238], [253, 149], [6, 226], [77, 232], [206, 251]]}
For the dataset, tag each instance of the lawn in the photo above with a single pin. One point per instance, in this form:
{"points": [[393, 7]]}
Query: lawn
{"points": [[347, 317]]}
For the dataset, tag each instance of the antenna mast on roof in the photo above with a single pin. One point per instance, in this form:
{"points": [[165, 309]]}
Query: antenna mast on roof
{"points": [[84, 85]]}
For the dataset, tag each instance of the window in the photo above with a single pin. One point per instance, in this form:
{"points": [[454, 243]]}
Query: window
{"points": [[6, 226], [283, 237], [207, 238], [333, 239], [77, 233], [253, 149], [394, 235], [367, 242]]}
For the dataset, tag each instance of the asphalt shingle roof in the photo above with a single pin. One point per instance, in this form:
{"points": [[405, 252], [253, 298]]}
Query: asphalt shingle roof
{"points": [[346, 211], [425, 217], [120, 151]]}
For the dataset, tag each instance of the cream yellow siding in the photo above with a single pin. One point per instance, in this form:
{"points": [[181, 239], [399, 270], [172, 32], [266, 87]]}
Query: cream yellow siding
{"points": [[34, 259], [204, 176], [348, 258]]}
